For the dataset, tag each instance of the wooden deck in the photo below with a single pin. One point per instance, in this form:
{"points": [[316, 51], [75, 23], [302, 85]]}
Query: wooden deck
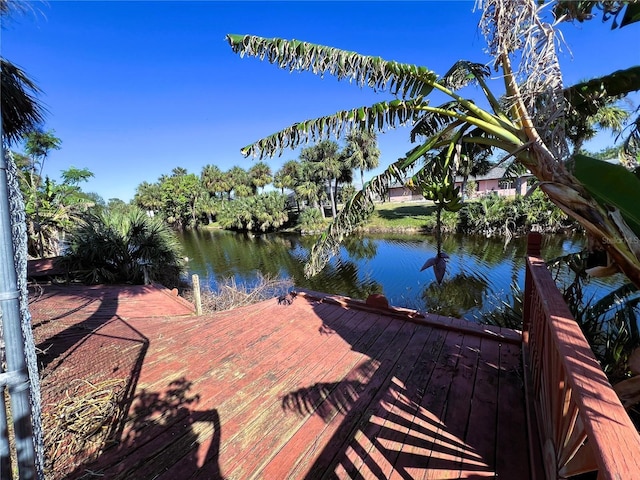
{"points": [[318, 388]]}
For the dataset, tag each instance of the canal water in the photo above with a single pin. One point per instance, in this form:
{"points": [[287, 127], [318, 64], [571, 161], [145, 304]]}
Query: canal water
{"points": [[480, 272]]}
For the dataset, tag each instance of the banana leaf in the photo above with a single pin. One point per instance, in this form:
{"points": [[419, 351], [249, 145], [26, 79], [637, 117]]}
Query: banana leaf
{"points": [[611, 185]]}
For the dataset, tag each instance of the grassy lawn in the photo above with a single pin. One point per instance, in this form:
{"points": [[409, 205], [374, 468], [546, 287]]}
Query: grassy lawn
{"points": [[402, 215]]}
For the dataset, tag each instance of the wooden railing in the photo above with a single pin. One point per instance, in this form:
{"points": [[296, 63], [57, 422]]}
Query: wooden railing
{"points": [[582, 426]]}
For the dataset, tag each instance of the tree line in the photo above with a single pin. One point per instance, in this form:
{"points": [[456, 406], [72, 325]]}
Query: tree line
{"points": [[321, 177]]}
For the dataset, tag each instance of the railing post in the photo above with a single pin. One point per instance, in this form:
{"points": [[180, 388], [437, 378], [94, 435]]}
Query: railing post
{"points": [[195, 282], [534, 243]]}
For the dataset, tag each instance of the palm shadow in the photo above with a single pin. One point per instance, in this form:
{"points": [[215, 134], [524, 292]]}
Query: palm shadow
{"points": [[152, 443], [387, 411], [63, 333]]}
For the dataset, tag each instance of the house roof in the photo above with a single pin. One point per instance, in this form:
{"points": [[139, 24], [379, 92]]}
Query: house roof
{"points": [[495, 173]]}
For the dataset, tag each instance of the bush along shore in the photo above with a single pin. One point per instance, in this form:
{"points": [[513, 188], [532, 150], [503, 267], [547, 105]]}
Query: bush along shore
{"points": [[490, 216]]}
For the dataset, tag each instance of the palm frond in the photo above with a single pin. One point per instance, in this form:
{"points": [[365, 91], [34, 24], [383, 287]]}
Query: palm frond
{"points": [[589, 96], [462, 73], [631, 145], [570, 10], [378, 116], [404, 80], [435, 121], [21, 111]]}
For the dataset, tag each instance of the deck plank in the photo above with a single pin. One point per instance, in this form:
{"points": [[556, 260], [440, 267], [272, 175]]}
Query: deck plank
{"points": [[512, 425], [367, 422], [318, 373], [396, 411], [467, 461], [481, 429], [444, 447], [412, 453], [236, 384]]}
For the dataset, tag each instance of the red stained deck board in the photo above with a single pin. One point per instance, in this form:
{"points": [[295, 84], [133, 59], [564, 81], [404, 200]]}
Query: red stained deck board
{"points": [[210, 338], [284, 376], [410, 391], [443, 447], [369, 401], [301, 450], [248, 394], [341, 361], [481, 428], [456, 417], [511, 430], [412, 452], [390, 424], [213, 387]]}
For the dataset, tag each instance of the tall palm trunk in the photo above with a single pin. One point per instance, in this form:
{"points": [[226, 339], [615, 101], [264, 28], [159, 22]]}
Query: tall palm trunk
{"points": [[332, 199]]}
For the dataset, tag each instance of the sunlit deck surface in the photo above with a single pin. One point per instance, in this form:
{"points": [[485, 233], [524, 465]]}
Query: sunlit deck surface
{"points": [[312, 388]]}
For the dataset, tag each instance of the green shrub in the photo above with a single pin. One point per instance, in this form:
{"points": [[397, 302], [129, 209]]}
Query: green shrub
{"points": [[310, 220], [449, 222], [258, 213], [494, 215]]}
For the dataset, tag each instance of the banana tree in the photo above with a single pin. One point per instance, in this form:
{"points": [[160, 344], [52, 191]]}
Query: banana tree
{"points": [[526, 123]]}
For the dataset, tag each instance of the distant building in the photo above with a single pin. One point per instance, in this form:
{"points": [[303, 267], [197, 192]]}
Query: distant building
{"points": [[492, 183], [401, 193]]}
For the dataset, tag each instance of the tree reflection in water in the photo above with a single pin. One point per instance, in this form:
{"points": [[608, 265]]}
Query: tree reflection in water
{"points": [[456, 295], [480, 271]]}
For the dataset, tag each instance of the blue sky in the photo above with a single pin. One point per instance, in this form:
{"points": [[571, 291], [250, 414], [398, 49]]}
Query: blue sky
{"points": [[135, 89]]}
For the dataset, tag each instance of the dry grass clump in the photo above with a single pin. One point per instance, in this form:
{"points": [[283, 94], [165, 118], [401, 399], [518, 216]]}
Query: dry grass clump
{"points": [[231, 294], [78, 426]]}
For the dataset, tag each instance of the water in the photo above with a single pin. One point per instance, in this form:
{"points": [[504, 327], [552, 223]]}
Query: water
{"points": [[479, 274]]}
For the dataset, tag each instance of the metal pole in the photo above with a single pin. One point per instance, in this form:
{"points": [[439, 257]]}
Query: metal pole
{"points": [[5, 453], [13, 339]]}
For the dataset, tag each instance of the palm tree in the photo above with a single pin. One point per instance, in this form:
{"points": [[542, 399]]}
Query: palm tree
{"points": [[362, 150], [581, 128], [527, 126], [288, 177], [260, 175], [213, 180], [148, 197], [345, 176], [323, 160], [38, 146], [179, 172], [239, 182], [308, 190]]}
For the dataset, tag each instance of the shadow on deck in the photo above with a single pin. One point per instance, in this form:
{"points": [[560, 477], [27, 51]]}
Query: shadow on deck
{"points": [[319, 388]]}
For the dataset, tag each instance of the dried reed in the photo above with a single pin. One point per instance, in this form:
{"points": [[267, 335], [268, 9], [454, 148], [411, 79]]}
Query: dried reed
{"points": [[78, 426], [231, 294]]}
